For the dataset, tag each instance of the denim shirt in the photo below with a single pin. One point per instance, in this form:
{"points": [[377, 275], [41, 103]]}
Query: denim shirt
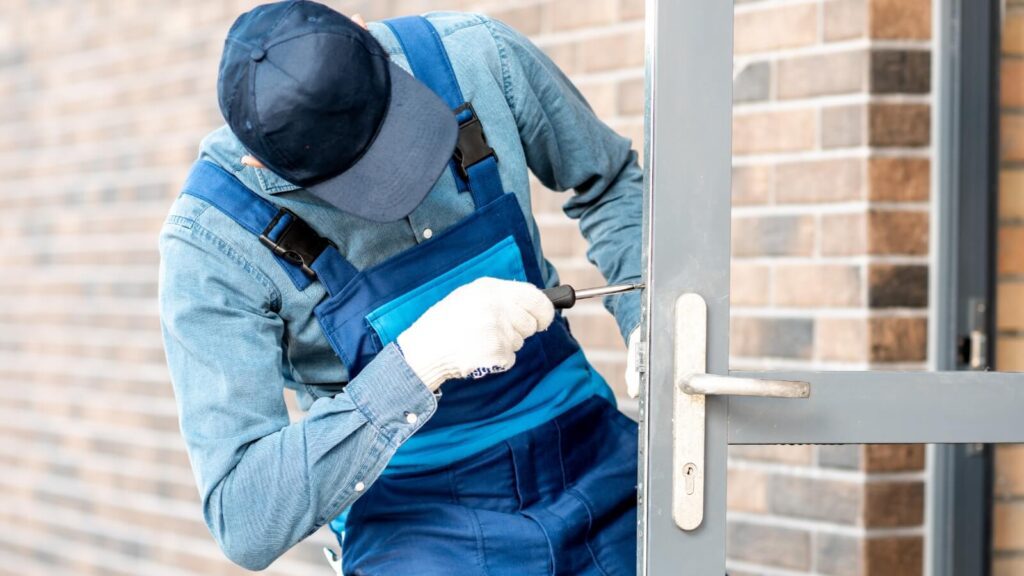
{"points": [[238, 332]]}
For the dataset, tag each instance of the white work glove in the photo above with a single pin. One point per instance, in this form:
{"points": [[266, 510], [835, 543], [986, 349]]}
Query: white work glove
{"points": [[632, 372], [475, 330]]}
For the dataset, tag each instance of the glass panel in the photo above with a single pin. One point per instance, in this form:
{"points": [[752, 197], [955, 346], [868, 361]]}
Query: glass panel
{"points": [[830, 254]]}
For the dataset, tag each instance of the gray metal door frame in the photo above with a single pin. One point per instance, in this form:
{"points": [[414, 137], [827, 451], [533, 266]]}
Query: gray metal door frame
{"points": [[687, 234], [965, 81]]}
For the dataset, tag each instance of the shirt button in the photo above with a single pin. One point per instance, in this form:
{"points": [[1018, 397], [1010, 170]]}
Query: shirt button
{"points": [[360, 486], [428, 233], [411, 418]]}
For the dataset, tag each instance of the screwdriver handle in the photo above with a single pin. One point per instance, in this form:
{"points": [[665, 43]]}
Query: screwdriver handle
{"points": [[563, 296]]}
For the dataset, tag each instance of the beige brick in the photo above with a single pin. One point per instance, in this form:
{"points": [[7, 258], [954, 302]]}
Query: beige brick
{"points": [[596, 331], [565, 55], [563, 241], [822, 74], [788, 338], [1011, 193], [841, 339], [900, 19], [1012, 138], [775, 28], [581, 14], [838, 555], [1010, 315], [845, 19], [753, 184], [820, 181], [773, 236], [771, 545], [602, 97], [833, 501], [631, 9], [898, 232], [747, 491], [750, 284], [899, 179], [621, 50], [843, 126], [525, 19], [844, 234], [817, 286], [1010, 250], [631, 97], [774, 131], [1009, 471]]}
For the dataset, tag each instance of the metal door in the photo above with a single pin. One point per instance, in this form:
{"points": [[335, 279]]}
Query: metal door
{"points": [[688, 420]]}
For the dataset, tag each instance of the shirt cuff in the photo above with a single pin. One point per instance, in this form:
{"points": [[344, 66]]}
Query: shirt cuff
{"points": [[391, 396]]}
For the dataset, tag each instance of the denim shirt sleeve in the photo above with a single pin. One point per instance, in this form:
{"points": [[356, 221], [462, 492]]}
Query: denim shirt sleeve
{"points": [[266, 483], [567, 146]]}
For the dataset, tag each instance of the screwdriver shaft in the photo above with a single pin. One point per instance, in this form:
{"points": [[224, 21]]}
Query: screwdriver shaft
{"points": [[606, 290]]}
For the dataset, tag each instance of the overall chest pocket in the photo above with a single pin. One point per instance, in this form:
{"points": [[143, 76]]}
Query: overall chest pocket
{"points": [[502, 260]]}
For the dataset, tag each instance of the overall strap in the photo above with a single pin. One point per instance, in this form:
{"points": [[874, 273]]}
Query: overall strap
{"points": [[475, 163], [303, 254]]}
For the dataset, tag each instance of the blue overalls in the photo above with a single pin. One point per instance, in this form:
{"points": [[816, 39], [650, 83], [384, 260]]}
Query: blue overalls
{"points": [[530, 471]]}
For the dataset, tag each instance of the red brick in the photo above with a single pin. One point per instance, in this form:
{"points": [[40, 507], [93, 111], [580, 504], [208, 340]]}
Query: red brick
{"points": [[898, 232], [899, 179], [902, 125], [898, 339], [1012, 138], [900, 19]]}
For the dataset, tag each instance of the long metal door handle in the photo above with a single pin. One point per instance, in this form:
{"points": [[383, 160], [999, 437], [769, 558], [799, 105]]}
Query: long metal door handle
{"points": [[711, 384], [692, 384]]}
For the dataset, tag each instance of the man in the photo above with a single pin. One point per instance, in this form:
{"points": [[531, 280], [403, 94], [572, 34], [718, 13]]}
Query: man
{"points": [[364, 237]]}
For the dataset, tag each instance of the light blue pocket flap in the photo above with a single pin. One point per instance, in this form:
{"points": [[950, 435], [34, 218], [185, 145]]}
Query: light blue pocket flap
{"points": [[503, 260]]}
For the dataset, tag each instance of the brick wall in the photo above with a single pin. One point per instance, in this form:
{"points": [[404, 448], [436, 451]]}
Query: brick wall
{"points": [[830, 267], [1008, 529], [106, 100]]}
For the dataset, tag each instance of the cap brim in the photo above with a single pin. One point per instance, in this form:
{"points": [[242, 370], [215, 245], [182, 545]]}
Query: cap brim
{"points": [[413, 146]]}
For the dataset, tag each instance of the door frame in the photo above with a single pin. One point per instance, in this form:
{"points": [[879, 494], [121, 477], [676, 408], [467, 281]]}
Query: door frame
{"points": [[688, 163], [964, 212]]}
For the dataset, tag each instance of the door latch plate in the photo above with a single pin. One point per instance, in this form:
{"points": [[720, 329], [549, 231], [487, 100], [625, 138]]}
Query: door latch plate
{"points": [[691, 317]]}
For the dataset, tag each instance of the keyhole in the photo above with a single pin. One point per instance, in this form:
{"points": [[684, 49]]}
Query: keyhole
{"points": [[690, 476]]}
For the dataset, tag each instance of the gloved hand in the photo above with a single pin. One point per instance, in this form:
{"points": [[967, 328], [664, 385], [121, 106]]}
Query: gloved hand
{"points": [[632, 374], [475, 330]]}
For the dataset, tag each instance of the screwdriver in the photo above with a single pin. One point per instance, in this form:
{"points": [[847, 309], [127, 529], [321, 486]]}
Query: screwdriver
{"points": [[565, 296]]}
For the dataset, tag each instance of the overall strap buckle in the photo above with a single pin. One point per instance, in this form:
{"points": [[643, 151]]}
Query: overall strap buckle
{"points": [[296, 242], [472, 146]]}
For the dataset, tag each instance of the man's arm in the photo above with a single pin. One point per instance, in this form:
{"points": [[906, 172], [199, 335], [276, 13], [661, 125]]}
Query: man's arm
{"points": [[567, 146], [267, 483]]}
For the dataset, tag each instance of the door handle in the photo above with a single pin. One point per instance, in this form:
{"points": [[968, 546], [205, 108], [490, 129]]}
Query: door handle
{"points": [[692, 384], [710, 384]]}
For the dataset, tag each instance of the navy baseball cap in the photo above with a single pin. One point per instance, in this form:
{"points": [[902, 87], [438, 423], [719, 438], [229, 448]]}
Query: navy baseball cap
{"points": [[314, 97]]}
